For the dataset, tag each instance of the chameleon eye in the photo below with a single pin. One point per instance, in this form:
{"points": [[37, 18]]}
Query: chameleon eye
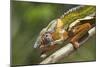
{"points": [[46, 35]]}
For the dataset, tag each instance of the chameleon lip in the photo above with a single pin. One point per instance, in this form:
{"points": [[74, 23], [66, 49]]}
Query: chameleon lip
{"points": [[41, 46]]}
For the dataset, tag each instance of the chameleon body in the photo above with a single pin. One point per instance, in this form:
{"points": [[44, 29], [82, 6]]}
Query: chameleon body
{"points": [[72, 26]]}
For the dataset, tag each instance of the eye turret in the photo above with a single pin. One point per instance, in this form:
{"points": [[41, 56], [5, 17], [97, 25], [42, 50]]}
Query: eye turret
{"points": [[46, 35]]}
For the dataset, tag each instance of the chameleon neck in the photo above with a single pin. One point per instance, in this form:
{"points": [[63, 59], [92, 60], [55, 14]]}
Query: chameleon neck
{"points": [[77, 13]]}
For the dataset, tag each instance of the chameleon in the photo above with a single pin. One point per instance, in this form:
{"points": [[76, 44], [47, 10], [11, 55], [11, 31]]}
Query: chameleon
{"points": [[72, 26]]}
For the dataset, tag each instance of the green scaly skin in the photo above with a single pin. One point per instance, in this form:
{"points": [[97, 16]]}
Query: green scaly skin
{"points": [[77, 13]]}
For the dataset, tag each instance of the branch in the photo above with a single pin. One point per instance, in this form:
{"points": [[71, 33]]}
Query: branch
{"points": [[66, 50]]}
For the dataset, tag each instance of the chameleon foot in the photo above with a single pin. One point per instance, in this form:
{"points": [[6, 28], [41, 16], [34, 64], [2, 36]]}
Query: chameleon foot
{"points": [[75, 44], [43, 55]]}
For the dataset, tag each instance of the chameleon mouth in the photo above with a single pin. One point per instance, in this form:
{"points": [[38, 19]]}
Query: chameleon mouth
{"points": [[45, 49]]}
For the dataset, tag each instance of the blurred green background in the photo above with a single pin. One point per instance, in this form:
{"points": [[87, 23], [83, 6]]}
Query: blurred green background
{"points": [[27, 20]]}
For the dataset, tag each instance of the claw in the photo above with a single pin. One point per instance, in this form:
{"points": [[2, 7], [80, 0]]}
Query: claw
{"points": [[76, 45]]}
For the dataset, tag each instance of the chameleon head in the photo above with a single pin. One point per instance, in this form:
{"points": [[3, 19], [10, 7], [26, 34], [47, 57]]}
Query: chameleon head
{"points": [[46, 42]]}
